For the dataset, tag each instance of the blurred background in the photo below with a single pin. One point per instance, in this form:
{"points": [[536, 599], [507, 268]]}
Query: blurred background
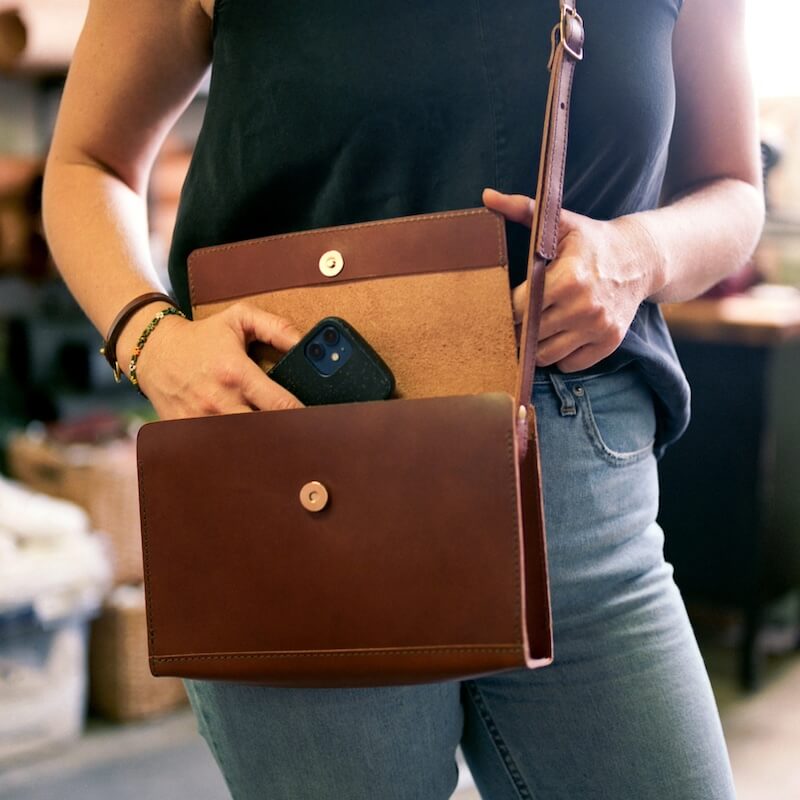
{"points": [[79, 713]]}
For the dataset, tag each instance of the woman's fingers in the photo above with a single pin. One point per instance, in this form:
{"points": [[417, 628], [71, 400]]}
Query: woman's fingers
{"points": [[551, 323], [519, 299], [202, 368], [520, 208], [555, 349], [239, 409], [263, 393], [515, 207], [593, 287], [583, 358], [255, 324]]}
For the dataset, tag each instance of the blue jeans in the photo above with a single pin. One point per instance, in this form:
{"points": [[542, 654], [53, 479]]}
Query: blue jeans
{"points": [[625, 712]]}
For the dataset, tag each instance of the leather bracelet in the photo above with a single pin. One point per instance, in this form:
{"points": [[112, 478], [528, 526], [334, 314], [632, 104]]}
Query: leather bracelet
{"points": [[109, 348]]}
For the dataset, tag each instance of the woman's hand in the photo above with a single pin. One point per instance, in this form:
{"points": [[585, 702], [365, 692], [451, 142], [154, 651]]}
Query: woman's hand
{"points": [[601, 274], [198, 368]]}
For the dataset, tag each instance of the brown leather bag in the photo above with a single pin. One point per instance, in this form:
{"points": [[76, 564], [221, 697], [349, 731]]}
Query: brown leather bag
{"points": [[391, 542]]}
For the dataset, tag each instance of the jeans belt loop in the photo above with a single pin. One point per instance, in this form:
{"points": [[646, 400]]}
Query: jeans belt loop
{"points": [[568, 407]]}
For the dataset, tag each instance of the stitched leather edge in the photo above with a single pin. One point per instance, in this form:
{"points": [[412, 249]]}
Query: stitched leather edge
{"points": [[515, 487], [499, 226], [145, 552], [511, 648]]}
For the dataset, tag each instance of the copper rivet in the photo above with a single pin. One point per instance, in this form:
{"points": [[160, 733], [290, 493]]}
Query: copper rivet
{"points": [[331, 263], [314, 496]]}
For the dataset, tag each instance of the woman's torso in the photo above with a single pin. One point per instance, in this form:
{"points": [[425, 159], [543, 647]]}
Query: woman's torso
{"points": [[323, 112]]}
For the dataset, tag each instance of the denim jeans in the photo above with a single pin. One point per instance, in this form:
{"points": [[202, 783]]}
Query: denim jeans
{"points": [[625, 712]]}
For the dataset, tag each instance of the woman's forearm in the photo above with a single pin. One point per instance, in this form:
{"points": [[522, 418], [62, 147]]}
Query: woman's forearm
{"points": [[699, 239], [97, 230], [605, 269], [96, 224]]}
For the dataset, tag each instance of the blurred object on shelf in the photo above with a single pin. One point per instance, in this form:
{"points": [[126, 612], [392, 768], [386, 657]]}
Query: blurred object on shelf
{"points": [[769, 262], [754, 271], [770, 158], [42, 683], [776, 261], [48, 558], [13, 38], [740, 281], [53, 576], [17, 296], [39, 36], [100, 478], [95, 428], [778, 253], [120, 684], [23, 249], [56, 354], [49, 348], [169, 172], [166, 181], [780, 134]]}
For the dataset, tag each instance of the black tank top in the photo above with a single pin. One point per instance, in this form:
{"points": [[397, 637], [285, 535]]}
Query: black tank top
{"points": [[329, 112]]}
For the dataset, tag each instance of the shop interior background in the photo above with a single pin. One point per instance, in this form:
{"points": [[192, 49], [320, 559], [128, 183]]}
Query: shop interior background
{"points": [[80, 716]]}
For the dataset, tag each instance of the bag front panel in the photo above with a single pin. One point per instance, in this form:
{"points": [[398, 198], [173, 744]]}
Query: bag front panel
{"points": [[414, 560]]}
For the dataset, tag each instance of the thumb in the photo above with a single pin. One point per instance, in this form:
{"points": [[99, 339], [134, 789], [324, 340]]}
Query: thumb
{"points": [[519, 301], [567, 221], [254, 324], [520, 208], [265, 394], [514, 207]]}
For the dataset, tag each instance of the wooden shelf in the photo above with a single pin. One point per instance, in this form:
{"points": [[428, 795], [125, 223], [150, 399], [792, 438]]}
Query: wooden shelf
{"points": [[741, 319]]}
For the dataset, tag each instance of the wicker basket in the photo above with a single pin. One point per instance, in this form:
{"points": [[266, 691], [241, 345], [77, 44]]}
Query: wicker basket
{"points": [[101, 479], [120, 684]]}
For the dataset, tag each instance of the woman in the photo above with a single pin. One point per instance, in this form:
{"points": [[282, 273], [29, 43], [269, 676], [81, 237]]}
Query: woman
{"points": [[323, 113]]}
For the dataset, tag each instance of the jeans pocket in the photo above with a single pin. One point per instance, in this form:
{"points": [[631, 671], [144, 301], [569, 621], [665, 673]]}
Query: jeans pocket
{"points": [[619, 415]]}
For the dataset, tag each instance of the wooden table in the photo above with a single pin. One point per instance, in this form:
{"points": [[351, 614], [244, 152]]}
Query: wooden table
{"points": [[749, 320], [730, 503]]}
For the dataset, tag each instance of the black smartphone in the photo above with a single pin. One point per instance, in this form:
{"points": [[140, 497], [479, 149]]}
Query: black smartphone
{"points": [[333, 363]]}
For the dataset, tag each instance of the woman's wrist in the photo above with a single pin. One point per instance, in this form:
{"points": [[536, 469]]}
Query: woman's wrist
{"points": [[142, 341], [133, 330], [651, 258], [701, 237]]}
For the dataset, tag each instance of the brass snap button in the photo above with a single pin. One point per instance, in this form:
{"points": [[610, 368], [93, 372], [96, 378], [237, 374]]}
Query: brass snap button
{"points": [[314, 496], [331, 263]]}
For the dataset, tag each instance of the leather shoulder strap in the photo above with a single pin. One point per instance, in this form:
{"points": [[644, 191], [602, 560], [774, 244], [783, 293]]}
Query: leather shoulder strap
{"points": [[567, 40]]}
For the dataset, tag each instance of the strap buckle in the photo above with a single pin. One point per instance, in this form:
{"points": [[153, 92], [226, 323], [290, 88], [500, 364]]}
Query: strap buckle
{"points": [[115, 366], [560, 33]]}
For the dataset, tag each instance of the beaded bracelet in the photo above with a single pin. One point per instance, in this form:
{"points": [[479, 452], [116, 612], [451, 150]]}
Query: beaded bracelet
{"points": [[137, 351], [109, 348]]}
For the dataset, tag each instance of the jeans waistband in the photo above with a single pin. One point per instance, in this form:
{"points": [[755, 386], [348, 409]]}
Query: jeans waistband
{"points": [[545, 375]]}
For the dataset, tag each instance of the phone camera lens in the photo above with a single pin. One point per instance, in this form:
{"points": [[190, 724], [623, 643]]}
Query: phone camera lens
{"points": [[330, 335], [316, 351]]}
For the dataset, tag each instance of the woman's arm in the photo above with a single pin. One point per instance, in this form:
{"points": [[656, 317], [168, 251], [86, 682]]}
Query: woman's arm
{"points": [[135, 69], [713, 184], [709, 228]]}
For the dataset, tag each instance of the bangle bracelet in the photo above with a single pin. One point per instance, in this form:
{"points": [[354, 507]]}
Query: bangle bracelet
{"points": [[109, 348], [137, 351]]}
